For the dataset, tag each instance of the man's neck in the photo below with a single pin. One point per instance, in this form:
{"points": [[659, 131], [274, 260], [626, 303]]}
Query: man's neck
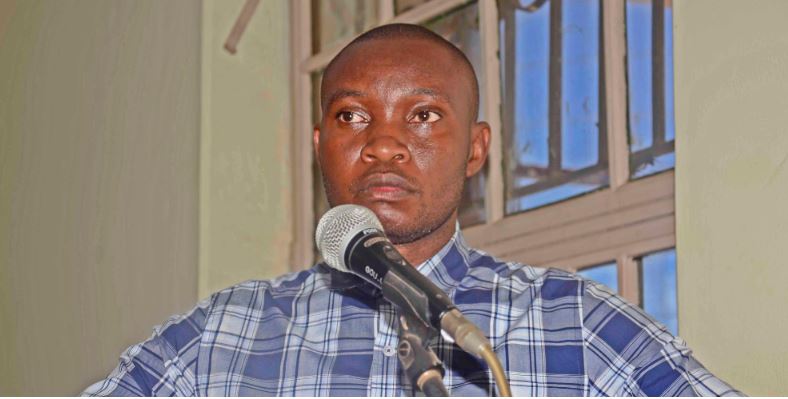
{"points": [[417, 252]]}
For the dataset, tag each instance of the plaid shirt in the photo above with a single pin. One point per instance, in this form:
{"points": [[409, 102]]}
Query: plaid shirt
{"points": [[321, 332]]}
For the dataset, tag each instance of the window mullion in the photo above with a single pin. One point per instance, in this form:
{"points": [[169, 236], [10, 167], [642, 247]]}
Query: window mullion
{"points": [[555, 85], [301, 252], [428, 10], [508, 74], [491, 92], [628, 279], [385, 11], [614, 61], [658, 71]]}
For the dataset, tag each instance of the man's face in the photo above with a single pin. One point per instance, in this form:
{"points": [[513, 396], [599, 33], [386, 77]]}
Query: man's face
{"points": [[398, 136]]}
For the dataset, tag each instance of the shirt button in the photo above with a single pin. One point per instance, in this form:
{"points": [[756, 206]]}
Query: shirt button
{"points": [[389, 351]]}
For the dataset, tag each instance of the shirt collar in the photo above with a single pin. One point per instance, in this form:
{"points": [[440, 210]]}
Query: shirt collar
{"points": [[446, 269]]}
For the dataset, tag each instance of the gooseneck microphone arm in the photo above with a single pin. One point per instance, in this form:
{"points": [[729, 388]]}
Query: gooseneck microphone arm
{"points": [[421, 365]]}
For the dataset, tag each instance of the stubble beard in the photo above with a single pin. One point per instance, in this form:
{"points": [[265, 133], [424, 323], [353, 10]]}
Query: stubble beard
{"points": [[426, 222]]}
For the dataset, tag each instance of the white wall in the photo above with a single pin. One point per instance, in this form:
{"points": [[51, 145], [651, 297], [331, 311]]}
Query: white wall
{"points": [[99, 142], [731, 71], [245, 176]]}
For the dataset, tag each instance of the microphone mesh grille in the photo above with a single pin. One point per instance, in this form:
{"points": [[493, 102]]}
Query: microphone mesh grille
{"points": [[337, 227]]}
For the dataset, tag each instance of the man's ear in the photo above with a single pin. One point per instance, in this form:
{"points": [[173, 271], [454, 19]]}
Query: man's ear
{"points": [[316, 139], [480, 144]]}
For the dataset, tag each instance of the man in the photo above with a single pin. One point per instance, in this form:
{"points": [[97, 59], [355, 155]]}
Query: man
{"points": [[399, 135]]}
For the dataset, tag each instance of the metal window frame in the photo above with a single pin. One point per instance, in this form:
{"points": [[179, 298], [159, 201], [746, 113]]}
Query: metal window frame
{"points": [[627, 220]]}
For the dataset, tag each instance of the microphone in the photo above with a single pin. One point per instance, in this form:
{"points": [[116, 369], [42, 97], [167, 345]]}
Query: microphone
{"points": [[351, 239]]}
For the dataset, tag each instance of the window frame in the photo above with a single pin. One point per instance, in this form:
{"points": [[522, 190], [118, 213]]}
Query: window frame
{"points": [[622, 222]]}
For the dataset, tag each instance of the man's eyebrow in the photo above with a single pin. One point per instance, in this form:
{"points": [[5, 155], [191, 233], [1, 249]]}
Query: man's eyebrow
{"points": [[343, 93]]}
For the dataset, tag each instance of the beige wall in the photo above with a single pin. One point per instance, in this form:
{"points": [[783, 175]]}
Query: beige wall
{"points": [[99, 142], [732, 188], [121, 124], [245, 176]]}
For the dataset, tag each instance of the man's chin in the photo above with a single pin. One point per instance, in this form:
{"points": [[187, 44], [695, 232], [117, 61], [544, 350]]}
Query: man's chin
{"points": [[401, 220], [399, 225], [406, 231], [390, 218]]}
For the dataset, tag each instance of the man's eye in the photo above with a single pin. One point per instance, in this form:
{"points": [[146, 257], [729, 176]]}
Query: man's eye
{"points": [[350, 117], [426, 117]]}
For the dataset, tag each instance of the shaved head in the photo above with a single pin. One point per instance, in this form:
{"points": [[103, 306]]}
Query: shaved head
{"points": [[413, 32]]}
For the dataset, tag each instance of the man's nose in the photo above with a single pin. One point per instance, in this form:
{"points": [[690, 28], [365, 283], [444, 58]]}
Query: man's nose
{"points": [[385, 144]]}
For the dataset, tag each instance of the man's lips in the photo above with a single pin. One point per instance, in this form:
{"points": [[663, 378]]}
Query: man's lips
{"points": [[386, 187]]}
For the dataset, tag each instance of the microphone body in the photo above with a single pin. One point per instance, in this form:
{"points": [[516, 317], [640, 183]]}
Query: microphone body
{"points": [[351, 239], [371, 255]]}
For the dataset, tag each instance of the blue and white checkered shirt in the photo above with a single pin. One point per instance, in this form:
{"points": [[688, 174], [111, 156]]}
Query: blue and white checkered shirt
{"points": [[320, 332]]}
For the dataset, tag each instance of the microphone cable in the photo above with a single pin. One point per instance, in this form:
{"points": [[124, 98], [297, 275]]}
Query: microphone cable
{"points": [[501, 382], [472, 340]]}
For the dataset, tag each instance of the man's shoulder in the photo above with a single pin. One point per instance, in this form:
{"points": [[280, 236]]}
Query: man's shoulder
{"points": [[253, 293], [554, 281], [243, 300], [596, 305]]}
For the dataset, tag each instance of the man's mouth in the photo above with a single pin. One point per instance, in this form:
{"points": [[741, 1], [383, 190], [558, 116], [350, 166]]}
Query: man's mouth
{"points": [[385, 187]]}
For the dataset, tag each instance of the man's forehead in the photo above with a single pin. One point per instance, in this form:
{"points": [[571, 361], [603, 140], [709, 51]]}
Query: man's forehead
{"points": [[426, 66], [338, 93], [391, 88], [392, 59]]}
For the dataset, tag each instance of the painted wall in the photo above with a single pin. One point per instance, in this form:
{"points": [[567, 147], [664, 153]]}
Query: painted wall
{"points": [[731, 60], [99, 145], [245, 175]]}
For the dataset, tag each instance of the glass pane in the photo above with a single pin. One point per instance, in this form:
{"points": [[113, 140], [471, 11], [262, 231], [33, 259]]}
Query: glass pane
{"points": [[639, 73], [658, 287], [580, 85], [651, 142], [549, 160], [401, 6], [606, 274], [461, 27], [337, 20]]}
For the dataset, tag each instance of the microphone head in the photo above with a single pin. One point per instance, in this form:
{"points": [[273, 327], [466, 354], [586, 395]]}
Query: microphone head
{"points": [[337, 227]]}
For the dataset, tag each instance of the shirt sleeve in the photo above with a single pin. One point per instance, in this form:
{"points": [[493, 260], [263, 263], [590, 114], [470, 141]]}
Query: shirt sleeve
{"points": [[163, 365], [627, 353]]}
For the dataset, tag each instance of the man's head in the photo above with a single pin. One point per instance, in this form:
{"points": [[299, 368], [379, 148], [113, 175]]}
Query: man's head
{"points": [[399, 133]]}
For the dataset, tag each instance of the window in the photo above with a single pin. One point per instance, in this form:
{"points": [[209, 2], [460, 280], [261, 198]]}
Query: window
{"points": [[579, 97], [657, 288], [650, 94], [605, 274], [551, 79]]}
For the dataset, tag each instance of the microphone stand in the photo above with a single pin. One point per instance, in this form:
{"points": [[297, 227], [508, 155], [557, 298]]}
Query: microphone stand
{"points": [[421, 365]]}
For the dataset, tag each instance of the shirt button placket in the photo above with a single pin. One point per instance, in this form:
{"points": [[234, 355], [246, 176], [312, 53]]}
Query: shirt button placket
{"points": [[384, 375]]}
